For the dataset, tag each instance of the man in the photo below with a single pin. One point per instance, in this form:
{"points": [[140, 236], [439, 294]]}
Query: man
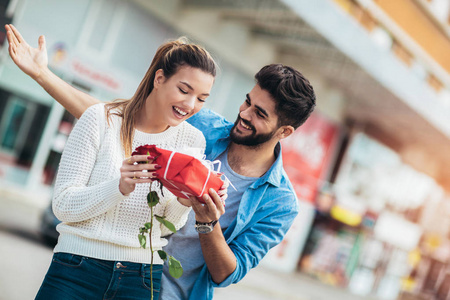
{"points": [[263, 205]]}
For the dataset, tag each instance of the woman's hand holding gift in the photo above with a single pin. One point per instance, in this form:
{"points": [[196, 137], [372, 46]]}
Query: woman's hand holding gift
{"points": [[136, 169]]}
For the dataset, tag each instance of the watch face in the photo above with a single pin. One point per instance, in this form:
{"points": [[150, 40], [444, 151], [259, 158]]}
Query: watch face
{"points": [[203, 228]]}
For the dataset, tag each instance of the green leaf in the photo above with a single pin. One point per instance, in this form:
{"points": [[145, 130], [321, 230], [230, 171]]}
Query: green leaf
{"points": [[162, 254], [142, 240], [143, 230], [152, 198], [175, 268], [166, 223], [148, 225]]}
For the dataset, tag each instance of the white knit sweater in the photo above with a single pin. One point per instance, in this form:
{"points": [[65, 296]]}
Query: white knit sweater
{"points": [[97, 220]]}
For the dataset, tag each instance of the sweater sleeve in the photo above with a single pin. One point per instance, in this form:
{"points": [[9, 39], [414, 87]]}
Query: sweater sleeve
{"points": [[74, 200]]}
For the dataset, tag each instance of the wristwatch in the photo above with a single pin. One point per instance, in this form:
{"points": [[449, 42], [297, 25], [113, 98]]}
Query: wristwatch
{"points": [[205, 227]]}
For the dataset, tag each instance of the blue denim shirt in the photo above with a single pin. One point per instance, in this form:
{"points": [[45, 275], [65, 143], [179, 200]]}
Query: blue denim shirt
{"points": [[266, 211]]}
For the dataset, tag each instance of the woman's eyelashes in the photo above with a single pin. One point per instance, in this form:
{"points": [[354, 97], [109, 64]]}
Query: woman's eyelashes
{"points": [[186, 92]]}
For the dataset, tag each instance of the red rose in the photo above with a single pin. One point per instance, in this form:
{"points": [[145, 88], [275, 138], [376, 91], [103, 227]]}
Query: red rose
{"points": [[149, 150]]}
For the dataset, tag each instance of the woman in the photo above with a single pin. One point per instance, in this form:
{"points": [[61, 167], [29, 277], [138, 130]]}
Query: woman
{"points": [[100, 190]]}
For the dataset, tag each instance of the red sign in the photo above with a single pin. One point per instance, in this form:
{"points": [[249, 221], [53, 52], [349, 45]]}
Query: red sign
{"points": [[307, 155], [101, 78]]}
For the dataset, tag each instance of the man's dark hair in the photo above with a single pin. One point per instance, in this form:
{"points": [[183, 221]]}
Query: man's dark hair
{"points": [[293, 94]]}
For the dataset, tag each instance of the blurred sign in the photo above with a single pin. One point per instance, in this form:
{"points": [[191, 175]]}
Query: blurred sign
{"points": [[93, 75], [395, 230], [58, 55], [345, 215], [307, 155]]}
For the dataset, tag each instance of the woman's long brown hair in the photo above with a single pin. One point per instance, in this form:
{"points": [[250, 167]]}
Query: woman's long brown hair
{"points": [[169, 57]]}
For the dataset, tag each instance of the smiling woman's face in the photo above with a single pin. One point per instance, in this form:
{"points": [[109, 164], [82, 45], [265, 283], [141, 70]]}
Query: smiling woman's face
{"points": [[180, 96]]}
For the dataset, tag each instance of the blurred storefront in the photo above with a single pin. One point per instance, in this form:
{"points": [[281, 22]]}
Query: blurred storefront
{"points": [[370, 240], [308, 157], [380, 225], [370, 166]]}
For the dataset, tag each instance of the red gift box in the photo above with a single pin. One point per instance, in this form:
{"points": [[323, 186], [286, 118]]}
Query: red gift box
{"points": [[182, 174]]}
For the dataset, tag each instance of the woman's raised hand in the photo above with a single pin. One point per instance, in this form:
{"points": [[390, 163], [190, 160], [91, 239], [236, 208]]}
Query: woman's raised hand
{"points": [[136, 169], [32, 61]]}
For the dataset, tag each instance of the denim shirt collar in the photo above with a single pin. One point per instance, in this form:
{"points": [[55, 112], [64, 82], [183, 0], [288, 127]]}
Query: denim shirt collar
{"points": [[220, 146], [273, 175]]}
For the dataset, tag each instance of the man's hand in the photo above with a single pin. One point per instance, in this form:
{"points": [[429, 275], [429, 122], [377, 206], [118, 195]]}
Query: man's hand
{"points": [[219, 258], [212, 210], [223, 191], [32, 61]]}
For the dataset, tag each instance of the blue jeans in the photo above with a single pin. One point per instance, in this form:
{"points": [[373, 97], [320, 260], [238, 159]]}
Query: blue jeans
{"points": [[74, 277]]}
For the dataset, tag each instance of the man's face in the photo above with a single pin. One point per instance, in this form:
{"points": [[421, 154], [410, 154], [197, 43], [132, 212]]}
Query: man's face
{"points": [[257, 121]]}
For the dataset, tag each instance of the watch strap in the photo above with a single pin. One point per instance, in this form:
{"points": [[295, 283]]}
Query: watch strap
{"points": [[212, 223], [205, 228]]}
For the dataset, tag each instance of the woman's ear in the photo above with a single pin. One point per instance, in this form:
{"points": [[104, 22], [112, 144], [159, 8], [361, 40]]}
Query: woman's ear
{"points": [[159, 78]]}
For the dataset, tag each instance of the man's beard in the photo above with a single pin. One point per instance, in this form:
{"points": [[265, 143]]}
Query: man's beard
{"points": [[252, 140]]}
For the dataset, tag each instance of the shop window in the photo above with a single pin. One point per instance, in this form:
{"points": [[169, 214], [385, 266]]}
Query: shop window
{"points": [[29, 149], [5, 17], [21, 126], [331, 251], [14, 122], [101, 24], [22, 123], [16, 116], [3, 100], [52, 163], [99, 33]]}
